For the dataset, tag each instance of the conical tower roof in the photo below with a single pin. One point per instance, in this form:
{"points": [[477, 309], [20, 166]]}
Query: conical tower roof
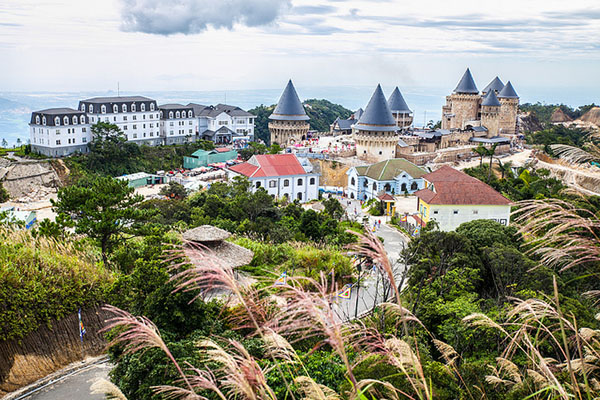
{"points": [[377, 115], [289, 107], [496, 84], [397, 103], [508, 92], [491, 99], [466, 84]]}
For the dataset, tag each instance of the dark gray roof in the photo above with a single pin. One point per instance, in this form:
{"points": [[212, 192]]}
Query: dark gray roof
{"points": [[117, 99], [61, 113], [397, 103], [377, 115], [479, 129], [492, 140], [289, 107], [345, 124], [208, 132], [466, 84], [402, 143], [508, 92], [214, 111], [175, 106], [358, 113], [496, 84], [167, 109], [491, 100]]}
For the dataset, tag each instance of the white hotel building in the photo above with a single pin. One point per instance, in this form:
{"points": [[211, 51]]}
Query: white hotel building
{"points": [[138, 117], [224, 124], [178, 123], [59, 132]]}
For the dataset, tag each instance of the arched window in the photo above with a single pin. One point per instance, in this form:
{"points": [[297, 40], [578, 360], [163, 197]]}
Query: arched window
{"points": [[133, 107], [414, 186], [143, 107], [299, 181], [286, 182], [365, 183], [91, 108], [82, 119], [75, 120], [170, 114], [257, 185], [387, 187], [37, 119], [312, 181], [403, 188], [103, 109], [66, 120], [190, 114], [299, 196], [161, 114], [83, 107], [352, 181], [115, 109], [351, 195], [124, 107], [43, 120], [151, 106], [374, 186], [178, 114], [57, 121]]}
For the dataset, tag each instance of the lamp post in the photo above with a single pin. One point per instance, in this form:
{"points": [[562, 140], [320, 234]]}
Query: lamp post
{"points": [[359, 269]]}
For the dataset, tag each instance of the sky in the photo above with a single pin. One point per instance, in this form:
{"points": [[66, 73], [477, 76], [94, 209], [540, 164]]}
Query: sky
{"points": [[85, 45]]}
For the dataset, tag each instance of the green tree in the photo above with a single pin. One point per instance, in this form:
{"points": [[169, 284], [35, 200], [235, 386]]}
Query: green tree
{"points": [[174, 190], [333, 208], [110, 153], [103, 208], [481, 152], [4, 196], [275, 149], [4, 143]]}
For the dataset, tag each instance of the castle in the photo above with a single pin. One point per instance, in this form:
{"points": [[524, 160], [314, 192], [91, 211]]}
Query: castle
{"points": [[288, 124], [495, 108]]}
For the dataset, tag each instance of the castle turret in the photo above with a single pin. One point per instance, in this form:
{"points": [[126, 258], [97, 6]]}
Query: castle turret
{"points": [[376, 133], [490, 113], [288, 123], [461, 106], [402, 114], [496, 85], [509, 100]]}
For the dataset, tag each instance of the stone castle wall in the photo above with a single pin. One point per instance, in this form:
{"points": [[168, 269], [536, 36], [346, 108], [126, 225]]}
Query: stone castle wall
{"points": [[287, 132], [490, 118], [375, 146], [465, 107], [508, 116]]}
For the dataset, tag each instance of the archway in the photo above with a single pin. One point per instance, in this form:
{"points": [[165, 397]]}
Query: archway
{"points": [[403, 188], [414, 186]]}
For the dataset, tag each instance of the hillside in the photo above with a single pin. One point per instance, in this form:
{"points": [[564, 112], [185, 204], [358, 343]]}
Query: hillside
{"points": [[544, 112], [322, 113]]}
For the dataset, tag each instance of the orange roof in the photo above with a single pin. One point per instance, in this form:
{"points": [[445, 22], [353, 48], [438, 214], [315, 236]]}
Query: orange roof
{"points": [[453, 187], [222, 149], [265, 165], [385, 197]]}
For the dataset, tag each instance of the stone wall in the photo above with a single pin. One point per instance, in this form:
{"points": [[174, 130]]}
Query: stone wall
{"points": [[375, 146], [508, 116], [465, 107], [287, 132], [490, 118]]}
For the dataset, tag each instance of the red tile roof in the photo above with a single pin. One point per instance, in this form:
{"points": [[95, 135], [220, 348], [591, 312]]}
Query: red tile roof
{"points": [[453, 187], [222, 149], [270, 165], [385, 197]]}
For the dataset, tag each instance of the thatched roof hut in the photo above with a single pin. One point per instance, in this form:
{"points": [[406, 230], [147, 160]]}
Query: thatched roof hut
{"points": [[210, 239]]}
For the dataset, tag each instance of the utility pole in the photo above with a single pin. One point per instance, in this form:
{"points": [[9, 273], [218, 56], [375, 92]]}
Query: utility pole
{"points": [[359, 268]]}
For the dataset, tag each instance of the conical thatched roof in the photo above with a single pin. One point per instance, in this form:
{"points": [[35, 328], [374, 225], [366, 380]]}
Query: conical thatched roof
{"points": [[206, 233], [592, 116], [559, 116]]}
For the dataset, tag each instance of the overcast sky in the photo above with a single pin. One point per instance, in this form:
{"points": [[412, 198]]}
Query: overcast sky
{"points": [[73, 45]]}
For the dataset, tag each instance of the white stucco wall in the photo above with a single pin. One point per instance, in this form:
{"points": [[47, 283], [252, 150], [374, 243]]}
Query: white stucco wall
{"points": [[451, 217]]}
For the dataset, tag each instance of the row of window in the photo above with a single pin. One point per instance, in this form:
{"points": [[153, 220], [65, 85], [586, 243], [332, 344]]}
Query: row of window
{"points": [[69, 141], [180, 123], [179, 114], [134, 117], [116, 108], [286, 183], [180, 132], [387, 187], [75, 120], [69, 130]]}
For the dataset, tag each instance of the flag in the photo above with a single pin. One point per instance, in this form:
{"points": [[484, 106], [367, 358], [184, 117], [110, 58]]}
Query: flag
{"points": [[81, 327], [282, 280], [345, 292], [404, 218]]}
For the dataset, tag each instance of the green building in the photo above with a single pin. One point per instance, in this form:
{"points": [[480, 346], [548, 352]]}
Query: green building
{"points": [[140, 179], [202, 158]]}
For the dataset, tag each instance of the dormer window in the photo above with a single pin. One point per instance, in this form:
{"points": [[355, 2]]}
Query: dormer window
{"points": [[124, 108], [161, 114], [82, 119], [115, 108], [151, 106], [170, 114], [91, 108], [103, 109], [190, 115], [178, 114], [83, 108], [43, 120], [143, 107], [133, 107], [37, 119], [74, 120], [57, 121]]}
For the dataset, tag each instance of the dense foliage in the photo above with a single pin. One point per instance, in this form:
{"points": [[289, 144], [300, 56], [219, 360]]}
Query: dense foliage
{"points": [[544, 111], [42, 280], [558, 134]]}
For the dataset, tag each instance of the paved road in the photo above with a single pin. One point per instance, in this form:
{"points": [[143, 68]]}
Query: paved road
{"points": [[370, 291], [74, 387]]}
